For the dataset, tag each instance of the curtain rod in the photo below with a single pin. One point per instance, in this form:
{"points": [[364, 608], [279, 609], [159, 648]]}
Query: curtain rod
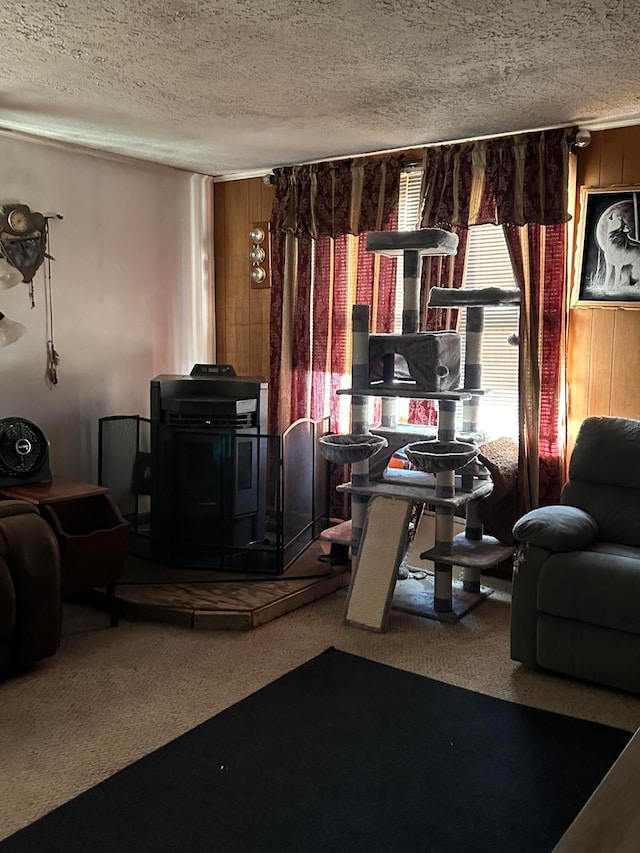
{"points": [[434, 144], [410, 163]]}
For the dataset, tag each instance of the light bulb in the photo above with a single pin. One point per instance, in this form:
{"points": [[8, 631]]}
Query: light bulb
{"points": [[583, 139], [258, 274], [257, 254], [9, 276], [257, 235], [10, 330]]}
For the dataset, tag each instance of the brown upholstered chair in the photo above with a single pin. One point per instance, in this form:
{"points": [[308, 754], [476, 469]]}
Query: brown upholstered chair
{"points": [[30, 587]]}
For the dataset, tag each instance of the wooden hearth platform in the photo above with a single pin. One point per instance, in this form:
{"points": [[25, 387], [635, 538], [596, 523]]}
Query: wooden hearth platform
{"points": [[225, 600]]}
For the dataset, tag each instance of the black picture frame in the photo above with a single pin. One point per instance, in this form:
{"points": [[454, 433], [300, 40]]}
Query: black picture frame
{"points": [[608, 248]]}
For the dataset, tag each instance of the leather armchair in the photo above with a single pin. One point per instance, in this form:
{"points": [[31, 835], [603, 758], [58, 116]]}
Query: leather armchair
{"points": [[30, 587], [576, 584]]}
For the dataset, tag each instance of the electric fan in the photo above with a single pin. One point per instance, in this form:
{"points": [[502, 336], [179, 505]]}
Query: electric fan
{"points": [[24, 453]]}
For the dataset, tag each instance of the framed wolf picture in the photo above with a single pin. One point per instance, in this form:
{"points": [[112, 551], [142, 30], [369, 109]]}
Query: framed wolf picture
{"points": [[608, 248]]}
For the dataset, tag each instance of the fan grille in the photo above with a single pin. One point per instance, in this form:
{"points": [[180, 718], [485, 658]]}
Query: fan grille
{"points": [[23, 447]]}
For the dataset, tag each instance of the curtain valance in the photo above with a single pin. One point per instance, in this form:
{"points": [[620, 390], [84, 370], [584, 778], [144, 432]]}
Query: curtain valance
{"points": [[510, 180], [335, 198]]}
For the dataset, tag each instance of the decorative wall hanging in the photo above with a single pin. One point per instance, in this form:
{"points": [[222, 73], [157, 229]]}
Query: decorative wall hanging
{"points": [[23, 238], [608, 248], [24, 247], [53, 359]]}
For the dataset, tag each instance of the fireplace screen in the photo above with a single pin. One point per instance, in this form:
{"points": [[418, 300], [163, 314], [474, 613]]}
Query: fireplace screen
{"points": [[222, 499]]}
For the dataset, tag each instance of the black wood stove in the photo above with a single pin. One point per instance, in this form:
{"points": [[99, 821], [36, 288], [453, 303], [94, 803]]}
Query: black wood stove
{"points": [[208, 469]]}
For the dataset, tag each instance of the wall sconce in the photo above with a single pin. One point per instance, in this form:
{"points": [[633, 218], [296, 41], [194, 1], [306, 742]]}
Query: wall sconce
{"points": [[24, 248], [9, 275], [260, 254], [10, 330], [582, 139]]}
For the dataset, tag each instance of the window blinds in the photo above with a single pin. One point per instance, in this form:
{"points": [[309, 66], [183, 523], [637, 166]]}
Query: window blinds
{"points": [[488, 265]]}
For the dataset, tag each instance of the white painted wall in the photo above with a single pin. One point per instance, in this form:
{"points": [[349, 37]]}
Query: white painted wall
{"points": [[132, 293]]}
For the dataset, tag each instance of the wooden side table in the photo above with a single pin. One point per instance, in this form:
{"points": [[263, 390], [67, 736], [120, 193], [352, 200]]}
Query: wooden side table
{"points": [[91, 533]]}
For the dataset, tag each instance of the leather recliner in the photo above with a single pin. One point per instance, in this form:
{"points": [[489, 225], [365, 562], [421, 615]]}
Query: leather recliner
{"points": [[576, 584], [30, 587]]}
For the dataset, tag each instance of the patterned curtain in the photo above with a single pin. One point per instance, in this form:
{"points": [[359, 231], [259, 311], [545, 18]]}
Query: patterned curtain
{"points": [[512, 180], [320, 269], [520, 182], [538, 255]]}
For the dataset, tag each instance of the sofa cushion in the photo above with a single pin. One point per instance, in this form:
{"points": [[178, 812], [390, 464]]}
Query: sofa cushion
{"points": [[594, 586], [615, 509], [556, 528], [614, 548], [7, 601], [607, 452], [589, 652]]}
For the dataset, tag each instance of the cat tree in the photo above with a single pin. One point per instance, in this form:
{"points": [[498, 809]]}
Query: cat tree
{"points": [[382, 502]]}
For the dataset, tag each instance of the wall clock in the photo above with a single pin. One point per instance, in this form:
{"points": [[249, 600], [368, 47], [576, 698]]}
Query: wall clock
{"points": [[23, 238]]}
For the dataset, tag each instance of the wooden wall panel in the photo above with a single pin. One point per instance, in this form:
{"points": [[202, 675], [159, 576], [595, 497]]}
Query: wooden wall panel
{"points": [[603, 348], [220, 268], [578, 381], [242, 312], [631, 164], [601, 357], [625, 369], [612, 157]]}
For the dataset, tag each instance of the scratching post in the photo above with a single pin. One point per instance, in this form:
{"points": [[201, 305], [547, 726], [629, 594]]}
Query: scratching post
{"points": [[389, 419], [411, 292], [360, 368], [442, 598], [359, 418], [359, 477], [447, 420], [473, 366]]}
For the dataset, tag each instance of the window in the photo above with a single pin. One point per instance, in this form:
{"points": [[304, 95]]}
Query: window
{"points": [[488, 265]]}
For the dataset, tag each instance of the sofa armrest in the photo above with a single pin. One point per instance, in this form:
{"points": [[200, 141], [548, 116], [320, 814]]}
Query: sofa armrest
{"points": [[9, 508], [30, 550], [527, 567], [556, 528]]}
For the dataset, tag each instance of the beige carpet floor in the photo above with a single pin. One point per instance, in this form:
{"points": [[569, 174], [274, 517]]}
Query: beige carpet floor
{"points": [[111, 695]]}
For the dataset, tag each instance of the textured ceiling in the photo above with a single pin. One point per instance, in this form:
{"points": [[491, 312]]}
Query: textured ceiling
{"points": [[226, 87]]}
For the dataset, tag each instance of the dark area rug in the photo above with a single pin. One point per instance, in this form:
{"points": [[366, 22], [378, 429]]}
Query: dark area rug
{"points": [[344, 754]]}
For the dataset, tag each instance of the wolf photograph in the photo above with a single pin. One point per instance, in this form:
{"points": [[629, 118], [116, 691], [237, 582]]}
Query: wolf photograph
{"points": [[610, 269]]}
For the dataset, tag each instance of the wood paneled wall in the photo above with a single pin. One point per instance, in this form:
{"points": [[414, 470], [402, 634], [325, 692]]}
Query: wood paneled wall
{"points": [[603, 350], [242, 312]]}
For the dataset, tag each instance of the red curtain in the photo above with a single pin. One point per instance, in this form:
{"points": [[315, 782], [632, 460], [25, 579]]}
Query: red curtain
{"points": [[522, 183], [510, 180], [320, 269], [538, 255], [332, 276]]}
